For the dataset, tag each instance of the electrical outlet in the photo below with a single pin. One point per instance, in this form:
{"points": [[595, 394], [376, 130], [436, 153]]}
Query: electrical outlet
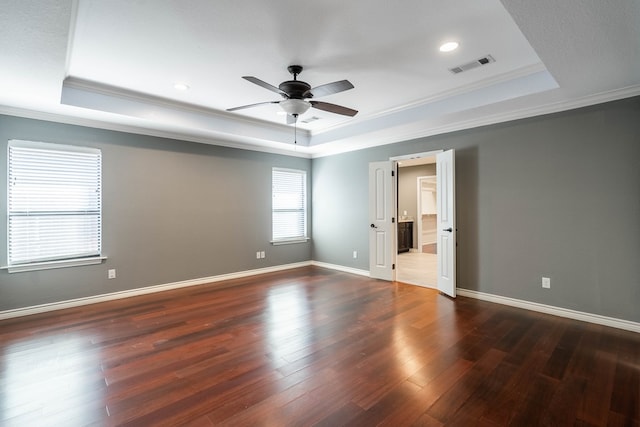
{"points": [[111, 274], [355, 254], [546, 282], [258, 255], [262, 254]]}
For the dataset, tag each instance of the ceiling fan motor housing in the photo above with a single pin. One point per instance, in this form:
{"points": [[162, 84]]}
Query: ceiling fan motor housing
{"points": [[296, 89]]}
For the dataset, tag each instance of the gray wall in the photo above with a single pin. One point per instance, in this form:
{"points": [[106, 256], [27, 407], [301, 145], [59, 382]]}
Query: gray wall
{"points": [[555, 195], [172, 211]]}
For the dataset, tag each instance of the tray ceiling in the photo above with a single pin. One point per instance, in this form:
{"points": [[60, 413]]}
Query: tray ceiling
{"points": [[114, 65]]}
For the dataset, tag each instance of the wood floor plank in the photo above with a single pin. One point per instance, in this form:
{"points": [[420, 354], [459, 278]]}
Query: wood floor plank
{"points": [[532, 354], [481, 401], [537, 397], [394, 407], [341, 417], [563, 407], [448, 405], [312, 346], [562, 354]]}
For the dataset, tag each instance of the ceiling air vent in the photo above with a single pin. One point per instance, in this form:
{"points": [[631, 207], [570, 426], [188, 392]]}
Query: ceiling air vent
{"points": [[473, 64]]}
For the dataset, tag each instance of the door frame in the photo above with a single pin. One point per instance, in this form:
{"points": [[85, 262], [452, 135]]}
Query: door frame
{"points": [[415, 155], [405, 157]]}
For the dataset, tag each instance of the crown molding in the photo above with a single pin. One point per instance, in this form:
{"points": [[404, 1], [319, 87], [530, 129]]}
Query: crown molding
{"points": [[511, 115], [336, 147], [90, 87], [501, 78], [221, 141]]}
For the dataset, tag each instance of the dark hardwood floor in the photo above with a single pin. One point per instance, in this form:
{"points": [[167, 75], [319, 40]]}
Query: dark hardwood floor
{"points": [[314, 347]]}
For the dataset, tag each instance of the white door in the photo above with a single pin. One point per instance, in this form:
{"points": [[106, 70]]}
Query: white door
{"points": [[382, 224], [445, 171]]}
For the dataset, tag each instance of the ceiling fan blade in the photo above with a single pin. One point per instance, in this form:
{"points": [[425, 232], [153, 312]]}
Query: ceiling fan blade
{"points": [[242, 107], [265, 85], [333, 108], [331, 88]]}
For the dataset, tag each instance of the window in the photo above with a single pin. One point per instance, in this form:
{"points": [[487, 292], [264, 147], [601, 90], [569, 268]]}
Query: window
{"points": [[289, 205], [54, 205]]}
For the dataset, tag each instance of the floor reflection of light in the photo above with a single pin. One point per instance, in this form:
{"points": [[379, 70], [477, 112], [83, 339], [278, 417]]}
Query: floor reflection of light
{"points": [[50, 380], [406, 355], [287, 322]]}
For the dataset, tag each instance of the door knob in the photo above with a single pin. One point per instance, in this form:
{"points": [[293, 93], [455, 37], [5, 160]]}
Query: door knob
{"points": [[448, 229], [373, 226]]}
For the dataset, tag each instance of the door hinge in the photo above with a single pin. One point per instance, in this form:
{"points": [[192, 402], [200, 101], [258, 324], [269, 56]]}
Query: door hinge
{"points": [[393, 266], [393, 220], [393, 173]]}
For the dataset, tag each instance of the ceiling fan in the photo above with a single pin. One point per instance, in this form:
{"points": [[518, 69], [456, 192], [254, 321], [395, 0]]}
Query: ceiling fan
{"points": [[297, 95]]}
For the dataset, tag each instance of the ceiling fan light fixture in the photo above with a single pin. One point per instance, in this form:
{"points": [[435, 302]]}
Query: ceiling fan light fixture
{"points": [[295, 106]]}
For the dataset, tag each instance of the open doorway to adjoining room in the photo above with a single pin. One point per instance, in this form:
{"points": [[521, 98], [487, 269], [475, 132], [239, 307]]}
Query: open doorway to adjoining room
{"points": [[388, 237], [417, 234]]}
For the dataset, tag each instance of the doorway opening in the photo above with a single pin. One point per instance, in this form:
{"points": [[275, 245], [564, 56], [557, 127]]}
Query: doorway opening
{"points": [[417, 259]]}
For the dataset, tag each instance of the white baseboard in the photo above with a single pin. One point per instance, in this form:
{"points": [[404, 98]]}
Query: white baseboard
{"points": [[43, 308], [542, 308], [341, 268], [556, 311]]}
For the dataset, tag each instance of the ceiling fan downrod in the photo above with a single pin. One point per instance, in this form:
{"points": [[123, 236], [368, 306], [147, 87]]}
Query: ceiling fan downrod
{"points": [[295, 70]]}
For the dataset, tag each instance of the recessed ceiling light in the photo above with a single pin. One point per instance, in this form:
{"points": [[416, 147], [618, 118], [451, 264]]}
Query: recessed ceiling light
{"points": [[449, 46], [181, 86]]}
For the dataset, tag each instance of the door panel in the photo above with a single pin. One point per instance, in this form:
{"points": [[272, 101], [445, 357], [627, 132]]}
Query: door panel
{"points": [[381, 220], [445, 167]]}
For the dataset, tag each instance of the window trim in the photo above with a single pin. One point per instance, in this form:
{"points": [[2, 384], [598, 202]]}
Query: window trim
{"points": [[48, 265], [297, 239]]}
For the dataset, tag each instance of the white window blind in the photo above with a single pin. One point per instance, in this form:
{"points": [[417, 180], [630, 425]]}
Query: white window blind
{"points": [[54, 202], [289, 205]]}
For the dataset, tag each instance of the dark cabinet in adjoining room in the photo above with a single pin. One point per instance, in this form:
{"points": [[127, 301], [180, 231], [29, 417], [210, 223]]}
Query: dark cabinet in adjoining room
{"points": [[405, 236]]}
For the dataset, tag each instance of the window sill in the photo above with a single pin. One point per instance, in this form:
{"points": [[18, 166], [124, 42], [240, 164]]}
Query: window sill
{"points": [[290, 241], [53, 264]]}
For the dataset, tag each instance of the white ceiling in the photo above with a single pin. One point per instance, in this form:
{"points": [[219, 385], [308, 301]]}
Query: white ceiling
{"points": [[112, 64]]}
